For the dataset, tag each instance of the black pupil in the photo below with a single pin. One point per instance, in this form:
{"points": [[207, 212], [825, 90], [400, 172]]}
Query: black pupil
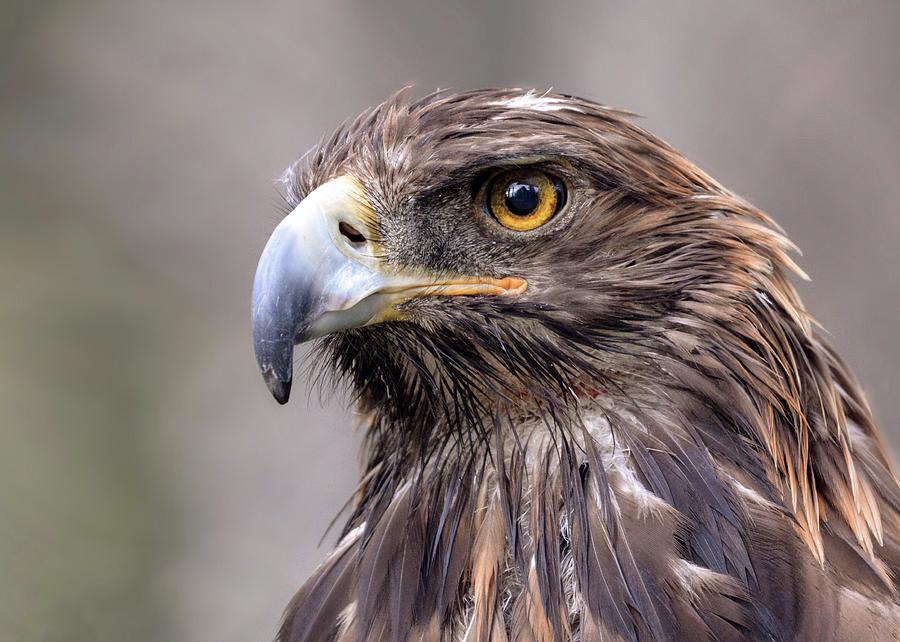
{"points": [[521, 198]]}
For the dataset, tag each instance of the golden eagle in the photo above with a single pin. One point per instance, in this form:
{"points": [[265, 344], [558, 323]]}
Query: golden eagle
{"points": [[594, 405]]}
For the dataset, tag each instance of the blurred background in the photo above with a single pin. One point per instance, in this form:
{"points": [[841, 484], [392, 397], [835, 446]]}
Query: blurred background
{"points": [[150, 489]]}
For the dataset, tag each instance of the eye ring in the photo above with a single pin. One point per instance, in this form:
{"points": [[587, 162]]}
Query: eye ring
{"points": [[524, 199]]}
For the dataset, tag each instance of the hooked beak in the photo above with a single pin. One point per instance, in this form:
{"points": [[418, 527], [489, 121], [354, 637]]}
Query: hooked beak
{"points": [[320, 273]]}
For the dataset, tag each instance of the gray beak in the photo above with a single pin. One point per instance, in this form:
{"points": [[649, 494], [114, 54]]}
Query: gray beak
{"points": [[316, 267]]}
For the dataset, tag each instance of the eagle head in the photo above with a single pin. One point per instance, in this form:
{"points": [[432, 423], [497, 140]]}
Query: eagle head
{"points": [[503, 248]]}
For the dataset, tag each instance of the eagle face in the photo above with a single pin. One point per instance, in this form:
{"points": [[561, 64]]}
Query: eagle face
{"points": [[594, 405], [612, 230]]}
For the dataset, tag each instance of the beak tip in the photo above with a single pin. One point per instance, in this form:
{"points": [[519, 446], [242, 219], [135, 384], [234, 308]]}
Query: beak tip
{"points": [[280, 388]]}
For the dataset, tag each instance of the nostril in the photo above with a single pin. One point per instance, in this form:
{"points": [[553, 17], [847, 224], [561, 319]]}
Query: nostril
{"points": [[351, 233]]}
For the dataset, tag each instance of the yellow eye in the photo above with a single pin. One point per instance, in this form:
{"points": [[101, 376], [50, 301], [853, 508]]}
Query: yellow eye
{"points": [[525, 199]]}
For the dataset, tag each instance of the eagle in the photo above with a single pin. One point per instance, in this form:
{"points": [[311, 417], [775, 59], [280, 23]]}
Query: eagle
{"points": [[594, 407]]}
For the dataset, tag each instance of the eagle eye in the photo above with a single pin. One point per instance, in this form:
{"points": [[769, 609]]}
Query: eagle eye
{"points": [[525, 199]]}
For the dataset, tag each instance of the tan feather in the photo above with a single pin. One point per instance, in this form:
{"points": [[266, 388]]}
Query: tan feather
{"points": [[489, 555]]}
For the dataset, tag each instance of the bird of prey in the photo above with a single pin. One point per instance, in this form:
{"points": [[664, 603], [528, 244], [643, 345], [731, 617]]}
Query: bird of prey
{"points": [[594, 406]]}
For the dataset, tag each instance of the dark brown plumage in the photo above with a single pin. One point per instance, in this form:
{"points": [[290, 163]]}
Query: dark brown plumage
{"points": [[650, 442]]}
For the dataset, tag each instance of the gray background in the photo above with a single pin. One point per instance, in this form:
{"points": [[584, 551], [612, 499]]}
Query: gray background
{"points": [[149, 487]]}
